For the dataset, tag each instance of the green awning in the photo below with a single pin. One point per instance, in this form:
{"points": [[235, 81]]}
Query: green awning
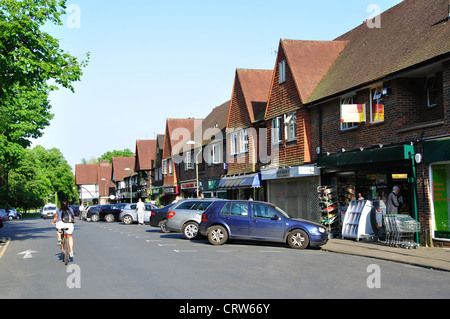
{"points": [[437, 150], [377, 155]]}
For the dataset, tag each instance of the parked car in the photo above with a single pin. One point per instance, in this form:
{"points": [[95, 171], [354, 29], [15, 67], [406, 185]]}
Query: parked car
{"points": [[48, 210], [109, 212], [185, 217], [128, 214], [88, 209], [3, 214], [13, 214], [250, 220], [76, 209], [158, 217]]}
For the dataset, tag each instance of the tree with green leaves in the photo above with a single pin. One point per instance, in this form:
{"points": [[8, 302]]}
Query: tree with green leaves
{"points": [[32, 65], [109, 155]]}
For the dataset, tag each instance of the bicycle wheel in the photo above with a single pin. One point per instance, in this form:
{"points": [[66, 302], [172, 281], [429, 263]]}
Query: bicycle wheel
{"points": [[65, 251]]}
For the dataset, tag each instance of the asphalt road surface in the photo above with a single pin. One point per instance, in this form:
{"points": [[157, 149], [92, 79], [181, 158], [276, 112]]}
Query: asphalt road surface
{"points": [[126, 262]]}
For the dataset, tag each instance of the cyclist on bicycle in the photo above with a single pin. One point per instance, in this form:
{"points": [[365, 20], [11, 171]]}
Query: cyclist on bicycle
{"points": [[60, 224]]}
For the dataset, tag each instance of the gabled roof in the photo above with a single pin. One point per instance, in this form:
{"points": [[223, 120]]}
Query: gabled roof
{"points": [[119, 164], [412, 32], [145, 154], [217, 119], [178, 132], [86, 174], [253, 87], [104, 179]]}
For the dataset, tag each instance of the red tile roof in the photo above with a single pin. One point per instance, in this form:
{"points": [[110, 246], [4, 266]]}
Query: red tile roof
{"points": [[412, 32], [178, 132], [119, 164], [86, 174], [145, 154]]}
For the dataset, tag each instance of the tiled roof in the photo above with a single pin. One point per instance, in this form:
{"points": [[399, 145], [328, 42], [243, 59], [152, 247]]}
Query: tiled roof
{"points": [[309, 62], [104, 186], [145, 154], [255, 86], [412, 32], [86, 174], [178, 132], [119, 164]]}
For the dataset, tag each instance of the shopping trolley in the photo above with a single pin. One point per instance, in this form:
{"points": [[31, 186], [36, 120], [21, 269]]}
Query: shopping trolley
{"points": [[401, 230]]}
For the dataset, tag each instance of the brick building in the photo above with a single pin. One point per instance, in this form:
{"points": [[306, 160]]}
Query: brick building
{"points": [[245, 124], [381, 115]]}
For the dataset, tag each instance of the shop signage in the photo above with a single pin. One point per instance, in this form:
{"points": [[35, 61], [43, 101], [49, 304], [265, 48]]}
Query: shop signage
{"points": [[353, 113], [284, 172], [189, 185], [170, 190], [441, 200]]}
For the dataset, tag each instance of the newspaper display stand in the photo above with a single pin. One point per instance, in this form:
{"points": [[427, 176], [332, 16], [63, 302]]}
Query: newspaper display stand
{"points": [[358, 220]]}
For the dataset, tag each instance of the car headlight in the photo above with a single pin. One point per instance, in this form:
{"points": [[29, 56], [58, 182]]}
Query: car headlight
{"points": [[322, 230]]}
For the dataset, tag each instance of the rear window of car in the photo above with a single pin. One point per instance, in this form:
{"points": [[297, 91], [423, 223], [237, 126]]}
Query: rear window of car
{"points": [[50, 208], [202, 205], [235, 209], [186, 205]]}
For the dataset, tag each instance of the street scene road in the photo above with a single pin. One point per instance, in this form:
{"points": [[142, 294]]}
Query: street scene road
{"points": [[113, 260]]}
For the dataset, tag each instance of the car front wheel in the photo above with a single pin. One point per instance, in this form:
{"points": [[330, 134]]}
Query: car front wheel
{"points": [[217, 235], [109, 218], [95, 218], [127, 220], [298, 239]]}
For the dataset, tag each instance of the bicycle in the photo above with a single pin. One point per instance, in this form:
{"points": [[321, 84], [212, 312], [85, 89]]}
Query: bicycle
{"points": [[64, 246]]}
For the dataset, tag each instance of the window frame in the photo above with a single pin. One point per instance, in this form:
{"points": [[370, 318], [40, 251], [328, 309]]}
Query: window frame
{"points": [[290, 126], [377, 94], [282, 71], [277, 132], [349, 99]]}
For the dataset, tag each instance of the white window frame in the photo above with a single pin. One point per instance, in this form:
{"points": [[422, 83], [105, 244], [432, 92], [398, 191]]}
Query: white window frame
{"points": [[277, 132], [376, 97], [188, 161], [282, 71], [244, 141], [431, 87], [169, 162], [347, 100], [164, 167], [234, 143], [290, 122]]}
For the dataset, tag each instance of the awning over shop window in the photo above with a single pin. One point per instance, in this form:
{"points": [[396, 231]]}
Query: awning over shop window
{"points": [[385, 154], [437, 150], [245, 181]]}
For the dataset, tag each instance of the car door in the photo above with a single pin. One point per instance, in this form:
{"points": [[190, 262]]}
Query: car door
{"points": [[236, 216], [265, 223], [147, 212]]}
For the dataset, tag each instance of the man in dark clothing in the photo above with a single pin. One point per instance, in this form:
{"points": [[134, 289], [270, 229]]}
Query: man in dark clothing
{"points": [[393, 201]]}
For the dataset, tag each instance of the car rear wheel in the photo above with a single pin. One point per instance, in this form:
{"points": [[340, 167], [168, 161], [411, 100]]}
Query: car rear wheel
{"points": [[190, 230], [109, 218], [162, 225], [217, 235], [298, 239], [127, 220]]}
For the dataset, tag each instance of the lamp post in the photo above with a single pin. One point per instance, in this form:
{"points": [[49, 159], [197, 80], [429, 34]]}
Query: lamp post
{"points": [[196, 163], [131, 185]]}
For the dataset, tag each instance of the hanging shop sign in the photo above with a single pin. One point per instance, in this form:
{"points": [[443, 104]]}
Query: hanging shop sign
{"points": [[353, 113]]}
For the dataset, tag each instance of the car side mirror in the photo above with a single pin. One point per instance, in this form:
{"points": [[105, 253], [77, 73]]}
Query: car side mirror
{"points": [[275, 217]]}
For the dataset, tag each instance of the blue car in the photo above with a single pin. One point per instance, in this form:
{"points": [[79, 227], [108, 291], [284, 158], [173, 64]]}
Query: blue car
{"points": [[260, 221]]}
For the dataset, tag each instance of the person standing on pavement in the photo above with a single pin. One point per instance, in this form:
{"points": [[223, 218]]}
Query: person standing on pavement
{"points": [[394, 201], [140, 207]]}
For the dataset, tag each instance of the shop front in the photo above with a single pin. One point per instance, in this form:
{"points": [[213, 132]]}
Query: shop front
{"points": [[189, 189], [437, 155], [170, 193], [293, 189], [210, 189], [243, 187], [371, 175]]}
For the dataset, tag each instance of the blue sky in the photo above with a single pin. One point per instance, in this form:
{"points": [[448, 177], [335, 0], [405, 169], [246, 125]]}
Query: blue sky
{"points": [[152, 60]]}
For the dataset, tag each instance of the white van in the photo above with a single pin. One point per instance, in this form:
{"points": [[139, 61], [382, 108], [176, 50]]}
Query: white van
{"points": [[48, 210]]}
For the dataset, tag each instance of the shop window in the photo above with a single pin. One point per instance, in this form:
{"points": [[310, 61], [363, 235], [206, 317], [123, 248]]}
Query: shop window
{"points": [[431, 90], [344, 101], [290, 121], [376, 105], [282, 71], [276, 130]]}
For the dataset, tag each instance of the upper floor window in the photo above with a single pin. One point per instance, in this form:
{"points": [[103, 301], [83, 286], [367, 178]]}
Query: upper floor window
{"points": [[164, 167], [188, 161], [282, 71], [277, 133], [344, 101], [244, 141], [234, 143], [431, 90], [376, 105], [290, 122]]}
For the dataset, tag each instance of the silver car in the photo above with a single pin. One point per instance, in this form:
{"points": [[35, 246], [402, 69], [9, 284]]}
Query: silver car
{"points": [[186, 216], [128, 215], [48, 210]]}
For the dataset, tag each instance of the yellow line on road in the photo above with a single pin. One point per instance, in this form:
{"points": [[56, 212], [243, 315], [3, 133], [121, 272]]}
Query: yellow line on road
{"points": [[4, 246]]}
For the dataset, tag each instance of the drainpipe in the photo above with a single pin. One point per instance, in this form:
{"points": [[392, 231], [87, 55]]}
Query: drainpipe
{"points": [[413, 182]]}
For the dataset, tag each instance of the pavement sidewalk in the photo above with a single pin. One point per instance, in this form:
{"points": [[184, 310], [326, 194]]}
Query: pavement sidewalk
{"points": [[432, 258]]}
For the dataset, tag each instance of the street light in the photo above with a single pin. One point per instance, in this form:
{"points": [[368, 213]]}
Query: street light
{"points": [[196, 163], [131, 185]]}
